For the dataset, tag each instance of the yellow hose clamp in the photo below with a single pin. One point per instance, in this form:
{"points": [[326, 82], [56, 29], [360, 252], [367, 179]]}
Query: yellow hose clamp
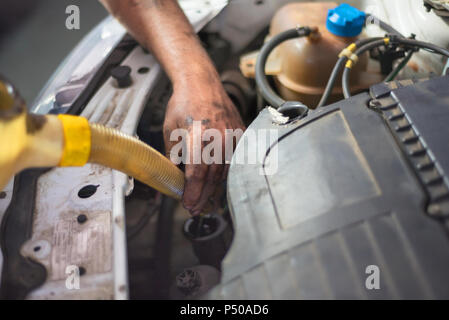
{"points": [[77, 141], [349, 64], [348, 51]]}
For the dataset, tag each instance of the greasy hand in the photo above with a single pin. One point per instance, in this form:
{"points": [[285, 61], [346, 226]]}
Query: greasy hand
{"points": [[208, 103]]}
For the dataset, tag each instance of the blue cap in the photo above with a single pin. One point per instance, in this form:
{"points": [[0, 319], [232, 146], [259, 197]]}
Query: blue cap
{"points": [[345, 21]]}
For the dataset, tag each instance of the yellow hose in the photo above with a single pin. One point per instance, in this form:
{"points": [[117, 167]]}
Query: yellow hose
{"points": [[25, 143], [30, 141]]}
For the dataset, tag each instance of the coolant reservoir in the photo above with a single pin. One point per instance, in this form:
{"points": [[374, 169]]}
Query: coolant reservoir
{"points": [[301, 67]]}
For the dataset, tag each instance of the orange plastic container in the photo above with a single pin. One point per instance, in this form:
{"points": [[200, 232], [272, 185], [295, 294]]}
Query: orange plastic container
{"points": [[305, 65]]}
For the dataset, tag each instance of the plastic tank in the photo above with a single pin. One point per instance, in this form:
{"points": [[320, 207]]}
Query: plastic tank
{"points": [[304, 64]]}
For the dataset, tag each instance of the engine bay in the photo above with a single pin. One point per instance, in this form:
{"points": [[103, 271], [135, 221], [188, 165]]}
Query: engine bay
{"points": [[357, 95]]}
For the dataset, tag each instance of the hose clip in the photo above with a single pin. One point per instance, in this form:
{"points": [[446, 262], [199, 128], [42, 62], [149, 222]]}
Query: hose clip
{"points": [[348, 52]]}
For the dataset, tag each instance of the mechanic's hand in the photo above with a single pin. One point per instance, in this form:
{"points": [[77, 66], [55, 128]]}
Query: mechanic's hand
{"points": [[208, 103]]}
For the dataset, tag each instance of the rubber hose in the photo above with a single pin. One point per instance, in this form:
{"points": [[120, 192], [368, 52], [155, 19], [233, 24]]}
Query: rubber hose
{"points": [[340, 63], [261, 79], [131, 156]]}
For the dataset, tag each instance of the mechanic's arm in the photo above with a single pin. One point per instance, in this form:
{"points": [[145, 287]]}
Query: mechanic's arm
{"points": [[161, 26]]}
